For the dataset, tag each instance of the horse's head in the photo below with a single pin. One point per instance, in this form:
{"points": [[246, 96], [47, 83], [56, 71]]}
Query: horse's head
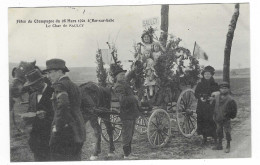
{"points": [[18, 73]]}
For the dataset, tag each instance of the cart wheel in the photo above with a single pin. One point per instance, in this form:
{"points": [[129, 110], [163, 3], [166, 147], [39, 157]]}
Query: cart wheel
{"points": [[159, 128], [117, 128], [186, 113], [141, 124]]}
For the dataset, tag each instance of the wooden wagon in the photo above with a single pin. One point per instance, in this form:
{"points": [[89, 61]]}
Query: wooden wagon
{"points": [[157, 121]]}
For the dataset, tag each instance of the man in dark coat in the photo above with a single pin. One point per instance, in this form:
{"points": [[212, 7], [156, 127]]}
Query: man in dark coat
{"points": [[68, 128], [129, 111], [203, 91], [40, 104]]}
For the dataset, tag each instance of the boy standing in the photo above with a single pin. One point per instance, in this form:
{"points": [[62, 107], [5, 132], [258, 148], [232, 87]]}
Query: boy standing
{"points": [[128, 111], [225, 109]]}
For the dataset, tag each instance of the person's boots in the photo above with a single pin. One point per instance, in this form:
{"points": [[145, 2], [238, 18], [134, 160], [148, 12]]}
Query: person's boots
{"points": [[227, 150], [204, 141], [218, 146]]}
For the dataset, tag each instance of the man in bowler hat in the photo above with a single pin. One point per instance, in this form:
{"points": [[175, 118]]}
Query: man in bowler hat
{"points": [[68, 128], [129, 111], [40, 104]]}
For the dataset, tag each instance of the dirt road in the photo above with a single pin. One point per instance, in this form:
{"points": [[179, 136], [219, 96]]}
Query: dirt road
{"points": [[240, 144], [184, 148]]}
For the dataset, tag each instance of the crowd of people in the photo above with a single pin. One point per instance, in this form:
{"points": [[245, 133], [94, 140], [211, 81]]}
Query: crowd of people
{"points": [[58, 130]]}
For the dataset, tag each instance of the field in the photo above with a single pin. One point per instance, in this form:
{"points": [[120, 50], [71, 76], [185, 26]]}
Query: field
{"points": [[178, 148]]}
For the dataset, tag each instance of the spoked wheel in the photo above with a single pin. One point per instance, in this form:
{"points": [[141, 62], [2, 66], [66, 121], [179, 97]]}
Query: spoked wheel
{"points": [[141, 124], [186, 113], [117, 128], [159, 128]]}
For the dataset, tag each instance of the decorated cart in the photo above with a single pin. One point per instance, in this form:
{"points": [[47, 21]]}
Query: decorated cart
{"points": [[163, 80]]}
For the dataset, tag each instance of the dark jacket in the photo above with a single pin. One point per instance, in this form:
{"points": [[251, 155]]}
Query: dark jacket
{"points": [[68, 119], [129, 109], [225, 108], [205, 122], [41, 128], [205, 89]]}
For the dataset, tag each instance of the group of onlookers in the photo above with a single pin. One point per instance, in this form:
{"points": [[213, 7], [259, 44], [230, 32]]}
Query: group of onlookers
{"points": [[58, 128], [215, 109]]}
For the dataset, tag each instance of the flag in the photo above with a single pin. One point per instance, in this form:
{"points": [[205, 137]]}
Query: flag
{"points": [[106, 56], [198, 52]]}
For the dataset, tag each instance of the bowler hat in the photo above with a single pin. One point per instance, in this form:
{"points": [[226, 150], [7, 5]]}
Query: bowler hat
{"points": [[208, 69], [56, 64], [33, 77], [224, 84], [119, 70]]}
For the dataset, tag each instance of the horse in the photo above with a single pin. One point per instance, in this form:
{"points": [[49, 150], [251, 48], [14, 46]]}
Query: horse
{"points": [[18, 74], [95, 101], [93, 96]]}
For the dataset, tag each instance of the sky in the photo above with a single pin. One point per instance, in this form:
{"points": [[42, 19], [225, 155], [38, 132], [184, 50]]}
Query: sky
{"points": [[207, 24]]}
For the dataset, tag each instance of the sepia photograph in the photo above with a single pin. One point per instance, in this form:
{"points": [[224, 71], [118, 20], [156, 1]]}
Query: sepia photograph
{"points": [[129, 82]]}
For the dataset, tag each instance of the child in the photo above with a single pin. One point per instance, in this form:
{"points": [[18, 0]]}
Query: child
{"points": [[129, 111], [147, 40], [146, 55], [157, 51], [150, 79], [142, 55], [225, 109]]}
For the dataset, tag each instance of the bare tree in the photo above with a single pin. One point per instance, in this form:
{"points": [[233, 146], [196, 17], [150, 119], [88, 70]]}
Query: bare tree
{"points": [[230, 35], [164, 24]]}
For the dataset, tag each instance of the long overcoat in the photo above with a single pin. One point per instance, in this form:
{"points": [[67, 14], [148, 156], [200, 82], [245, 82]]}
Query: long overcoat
{"points": [[41, 128], [68, 120], [205, 123]]}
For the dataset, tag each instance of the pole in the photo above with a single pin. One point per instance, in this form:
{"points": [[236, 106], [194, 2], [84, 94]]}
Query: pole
{"points": [[227, 51], [164, 24], [194, 49]]}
